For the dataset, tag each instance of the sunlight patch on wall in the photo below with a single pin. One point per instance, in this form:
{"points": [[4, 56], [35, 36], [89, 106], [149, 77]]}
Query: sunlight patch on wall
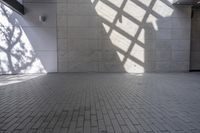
{"points": [[132, 67], [105, 11], [162, 9], [121, 56], [132, 28], [134, 10], [172, 1], [145, 2], [17, 53], [127, 25], [120, 41], [138, 52], [141, 36], [5, 12], [153, 20], [117, 3], [106, 27], [4, 66], [92, 1]]}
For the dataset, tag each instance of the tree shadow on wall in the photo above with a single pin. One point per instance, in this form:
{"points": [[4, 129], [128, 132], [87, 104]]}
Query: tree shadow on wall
{"points": [[16, 53]]}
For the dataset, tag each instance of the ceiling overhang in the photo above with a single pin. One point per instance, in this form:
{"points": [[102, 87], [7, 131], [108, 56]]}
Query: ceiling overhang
{"points": [[187, 2], [14, 5]]}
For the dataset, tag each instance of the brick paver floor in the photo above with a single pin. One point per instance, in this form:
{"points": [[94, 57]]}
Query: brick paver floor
{"points": [[100, 103]]}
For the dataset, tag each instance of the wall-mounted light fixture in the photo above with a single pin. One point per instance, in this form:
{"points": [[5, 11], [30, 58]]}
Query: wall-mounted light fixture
{"points": [[42, 18]]}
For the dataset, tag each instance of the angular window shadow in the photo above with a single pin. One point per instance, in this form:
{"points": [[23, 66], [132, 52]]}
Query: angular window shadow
{"points": [[131, 28]]}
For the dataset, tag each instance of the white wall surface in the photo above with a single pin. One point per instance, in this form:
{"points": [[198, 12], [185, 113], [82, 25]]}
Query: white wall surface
{"points": [[133, 36], [37, 41]]}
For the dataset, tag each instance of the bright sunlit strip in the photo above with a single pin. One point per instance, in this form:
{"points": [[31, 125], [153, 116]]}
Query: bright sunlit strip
{"points": [[153, 20], [132, 67], [128, 26], [120, 41], [3, 62], [141, 36], [172, 1], [145, 2], [3, 20], [134, 10], [92, 1], [105, 11], [121, 56], [162, 9], [138, 52], [106, 27], [117, 3], [12, 79]]}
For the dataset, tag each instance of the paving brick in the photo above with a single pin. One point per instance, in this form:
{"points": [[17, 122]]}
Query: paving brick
{"points": [[102, 103], [38, 123], [101, 125], [57, 127], [52, 123], [110, 129], [116, 126], [120, 120], [131, 126], [107, 120], [94, 130], [87, 127], [93, 120], [87, 115], [63, 130], [125, 129], [99, 115], [24, 123], [9, 124], [72, 127]]}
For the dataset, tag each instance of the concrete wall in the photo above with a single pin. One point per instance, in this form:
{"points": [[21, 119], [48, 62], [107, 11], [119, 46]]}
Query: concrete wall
{"points": [[195, 41], [122, 36], [98, 36], [26, 44]]}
